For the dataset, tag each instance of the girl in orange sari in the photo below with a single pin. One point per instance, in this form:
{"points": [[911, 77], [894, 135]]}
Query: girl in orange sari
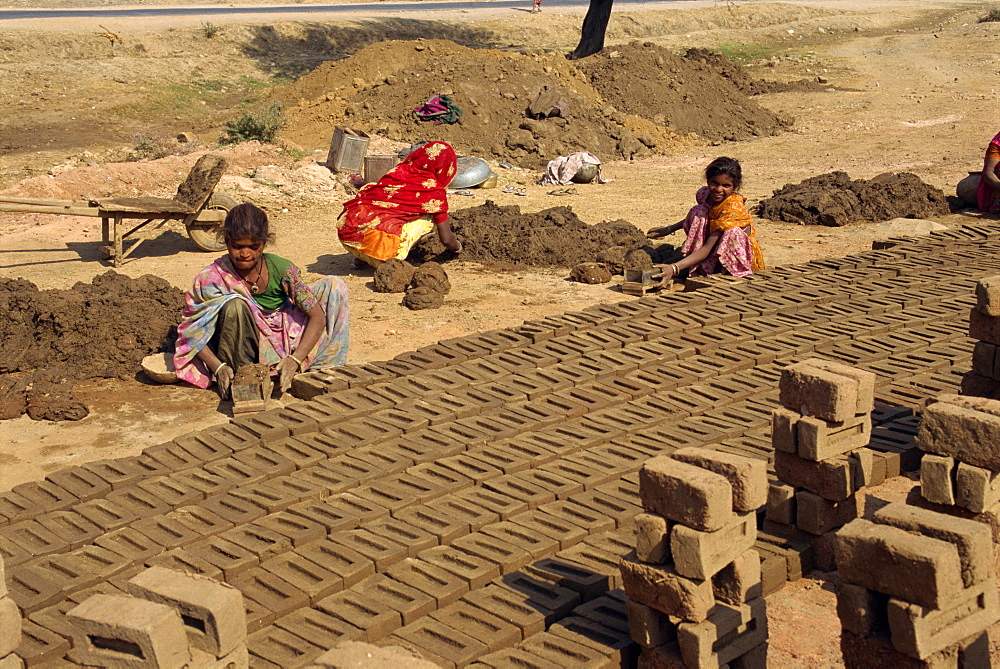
{"points": [[720, 234], [387, 218]]}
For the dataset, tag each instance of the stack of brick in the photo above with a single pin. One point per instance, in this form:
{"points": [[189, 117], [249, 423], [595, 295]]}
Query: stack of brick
{"points": [[820, 435], [694, 580], [984, 326], [917, 590], [10, 627], [173, 620], [960, 469]]}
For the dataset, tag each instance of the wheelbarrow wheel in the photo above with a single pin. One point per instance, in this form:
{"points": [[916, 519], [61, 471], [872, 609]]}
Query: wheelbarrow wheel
{"points": [[206, 237]]}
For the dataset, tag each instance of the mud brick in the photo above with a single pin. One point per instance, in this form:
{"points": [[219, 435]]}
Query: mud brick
{"points": [[364, 431], [347, 505], [740, 581], [972, 539], [387, 494], [294, 529], [988, 295], [266, 460], [488, 628], [964, 428], [834, 479], [34, 538], [79, 482], [143, 503], [533, 488], [648, 627], [281, 648], [414, 538], [444, 586], [33, 588], [976, 488], [936, 479], [200, 519], [577, 476], [494, 500], [474, 515], [232, 559], [381, 550], [473, 570], [615, 459], [609, 643], [652, 538], [817, 515], [110, 629], [180, 559], [118, 473], [270, 591], [747, 477], [70, 527], [40, 645], [45, 495], [131, 544], [351, 469], [537, 544], [233, 508], [781, 504], [511, 607], [236, 471], [562, 530], [106, 514], [729, 631], [425, 445], [435, 474], [316, 581], [917, 569], [10, 626], [685, 493], [591, 519], [438, 523], [505, 459], [567, 575], [983, 326], [922, 631], [465, 433], [817, 392], [470, 467], [984, 356], [326, 480], [508, 557], [299, 452], [296, 489], [862, 611], [410, 602], [819, 439], [346, 562], [700, 555], [207, 483], [319, 628], [438, 643], [171, 492], [563, 652]]}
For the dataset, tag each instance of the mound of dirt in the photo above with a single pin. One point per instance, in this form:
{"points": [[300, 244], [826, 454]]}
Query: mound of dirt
{"points": [[491, 233], [393, 276], [835, 199], [98, 330], [618, 104], [428, 287], [746, 84], [690, 94]]}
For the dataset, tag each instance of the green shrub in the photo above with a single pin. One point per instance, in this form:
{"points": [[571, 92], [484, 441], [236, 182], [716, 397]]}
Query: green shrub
{"points": [[209, 29], [994, 15], [147, 147], [261, 125]]}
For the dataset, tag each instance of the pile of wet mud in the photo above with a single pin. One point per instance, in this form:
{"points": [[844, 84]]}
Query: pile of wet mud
{"points": [[635, 100], [53, 338], [835, 199], [552, 237]]}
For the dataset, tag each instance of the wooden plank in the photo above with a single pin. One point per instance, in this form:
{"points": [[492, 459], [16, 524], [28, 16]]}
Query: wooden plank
{"points": [[44, 202], [42, 209]]}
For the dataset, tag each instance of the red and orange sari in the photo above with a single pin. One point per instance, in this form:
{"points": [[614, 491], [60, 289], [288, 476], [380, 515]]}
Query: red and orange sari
{"points": [[387, 218], [737, 251]]}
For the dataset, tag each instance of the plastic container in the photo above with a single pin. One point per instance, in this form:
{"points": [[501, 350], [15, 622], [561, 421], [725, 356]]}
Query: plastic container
{"points": [[347, 150], [377, 166], [491, 182]]}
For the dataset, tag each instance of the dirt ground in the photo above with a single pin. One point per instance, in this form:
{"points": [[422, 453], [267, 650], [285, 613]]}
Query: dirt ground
{"points": [[911, 87]]}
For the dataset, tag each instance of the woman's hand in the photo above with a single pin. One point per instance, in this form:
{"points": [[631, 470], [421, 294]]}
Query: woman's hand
{"points": [[664, 230], [287, 369], [224, 379], [666, 274]]}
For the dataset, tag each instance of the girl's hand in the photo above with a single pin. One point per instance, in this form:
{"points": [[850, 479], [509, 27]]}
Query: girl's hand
{"points": [[224, 379], [287, 369], [656, 233], [665, 275]]}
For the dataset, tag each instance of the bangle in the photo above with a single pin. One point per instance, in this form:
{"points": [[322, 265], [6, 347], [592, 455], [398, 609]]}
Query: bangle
{"points": [[674, 267], [297, 361], [215, 374]]}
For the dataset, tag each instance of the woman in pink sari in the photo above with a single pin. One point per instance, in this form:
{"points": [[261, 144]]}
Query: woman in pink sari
{"points": [[988, 194], [253, 307]]}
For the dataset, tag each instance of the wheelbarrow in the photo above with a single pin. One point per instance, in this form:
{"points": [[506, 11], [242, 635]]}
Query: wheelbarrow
{"points": [[201, 210]]}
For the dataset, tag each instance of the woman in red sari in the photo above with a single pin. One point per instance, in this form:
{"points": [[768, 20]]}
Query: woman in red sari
{"points": [[988, 194], [387, 218]]}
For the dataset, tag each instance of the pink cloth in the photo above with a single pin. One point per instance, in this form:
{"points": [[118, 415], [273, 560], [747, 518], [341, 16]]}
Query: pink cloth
{"points": [[988, 199], [732, 253]]}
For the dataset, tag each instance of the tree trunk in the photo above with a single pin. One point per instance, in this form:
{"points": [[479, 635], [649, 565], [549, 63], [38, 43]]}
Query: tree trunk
{"points": [[595, 25]]}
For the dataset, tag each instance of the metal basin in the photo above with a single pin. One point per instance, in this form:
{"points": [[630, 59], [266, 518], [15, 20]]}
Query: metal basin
{"points": [[471, 172]]}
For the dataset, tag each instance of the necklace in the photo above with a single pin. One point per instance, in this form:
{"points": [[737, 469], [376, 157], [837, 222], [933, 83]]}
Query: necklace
{"points": [[253, 284]]}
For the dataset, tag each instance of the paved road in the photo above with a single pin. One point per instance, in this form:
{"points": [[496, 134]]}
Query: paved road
{"points": [[233, 13]]}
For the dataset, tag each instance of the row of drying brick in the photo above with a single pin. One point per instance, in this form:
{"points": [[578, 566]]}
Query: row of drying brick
{"points": [[149, 470]]}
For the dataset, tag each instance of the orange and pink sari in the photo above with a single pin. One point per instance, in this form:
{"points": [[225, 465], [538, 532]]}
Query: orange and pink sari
{"points": [[737, 251]]}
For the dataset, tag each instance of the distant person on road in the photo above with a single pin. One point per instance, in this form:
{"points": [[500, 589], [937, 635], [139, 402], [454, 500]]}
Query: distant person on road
{"points": [[988, 194], [253, 307], [536, 6], [721, 238], [387, 218]]}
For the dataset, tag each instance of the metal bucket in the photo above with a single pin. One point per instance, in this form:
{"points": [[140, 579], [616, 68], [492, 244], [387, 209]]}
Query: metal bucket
{"points": [[347, 150], [377, 166]]}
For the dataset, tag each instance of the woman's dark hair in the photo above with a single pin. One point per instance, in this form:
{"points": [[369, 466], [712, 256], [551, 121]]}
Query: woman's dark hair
{"points": [[246, 220], [724, 165]]}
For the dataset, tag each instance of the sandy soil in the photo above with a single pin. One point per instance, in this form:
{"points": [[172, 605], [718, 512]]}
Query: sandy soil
{"points": [[914, 91]]}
